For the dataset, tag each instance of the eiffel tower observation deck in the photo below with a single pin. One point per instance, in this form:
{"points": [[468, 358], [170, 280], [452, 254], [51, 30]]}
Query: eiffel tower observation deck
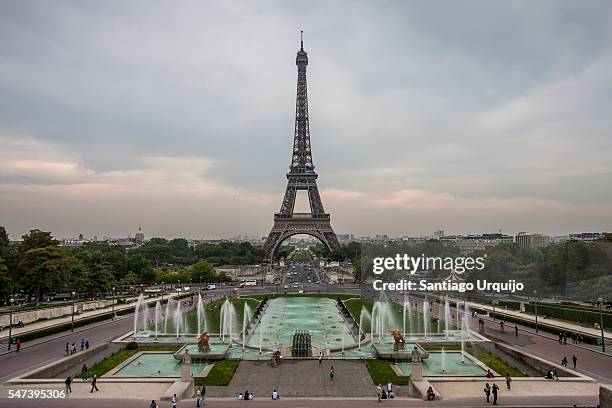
{"points": [[301, 176]]}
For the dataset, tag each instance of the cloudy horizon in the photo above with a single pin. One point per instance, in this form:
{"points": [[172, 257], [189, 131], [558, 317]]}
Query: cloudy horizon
{"points": [[178, 117]]}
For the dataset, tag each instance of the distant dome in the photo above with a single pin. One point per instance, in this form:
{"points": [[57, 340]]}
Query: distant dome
{"points": [[139, 237]]}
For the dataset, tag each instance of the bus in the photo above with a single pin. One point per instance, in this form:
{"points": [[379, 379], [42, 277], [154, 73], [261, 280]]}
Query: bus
{"points": [[249, 282]]}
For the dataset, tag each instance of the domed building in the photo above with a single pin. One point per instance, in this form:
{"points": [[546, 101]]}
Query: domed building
{"points": [[139, 237]]}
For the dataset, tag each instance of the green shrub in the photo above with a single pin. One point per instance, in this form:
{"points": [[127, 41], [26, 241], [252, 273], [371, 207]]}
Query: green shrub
{"points": [[132, 345]]}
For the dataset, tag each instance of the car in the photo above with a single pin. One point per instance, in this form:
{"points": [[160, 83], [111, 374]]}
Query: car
{"points": [[241, 286], [286, 286], [300, 291], [318, 282], [211, 287], [295, 285]]}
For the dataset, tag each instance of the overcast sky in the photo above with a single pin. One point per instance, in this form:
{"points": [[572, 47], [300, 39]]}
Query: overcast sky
{"points": [[472, 116]]}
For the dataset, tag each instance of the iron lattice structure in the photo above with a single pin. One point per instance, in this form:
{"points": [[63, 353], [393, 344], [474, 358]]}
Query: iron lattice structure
{"points": [[301, 176]]}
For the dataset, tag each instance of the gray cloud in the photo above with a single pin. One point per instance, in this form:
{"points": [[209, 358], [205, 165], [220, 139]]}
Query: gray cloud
{"points": [[476, 101]]}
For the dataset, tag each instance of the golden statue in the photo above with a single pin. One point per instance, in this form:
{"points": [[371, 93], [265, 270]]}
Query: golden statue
{"points": [[399, 340], [203, 342]]}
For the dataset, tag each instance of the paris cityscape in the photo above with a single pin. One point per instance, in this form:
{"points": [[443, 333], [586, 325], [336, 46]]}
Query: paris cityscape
{"points": [[305, 205]]}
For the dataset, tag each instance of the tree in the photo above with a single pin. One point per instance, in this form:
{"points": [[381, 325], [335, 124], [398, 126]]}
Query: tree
{"points": [[4, 239], [202, 271], [130, 279], [37, 239], [45, 269]]}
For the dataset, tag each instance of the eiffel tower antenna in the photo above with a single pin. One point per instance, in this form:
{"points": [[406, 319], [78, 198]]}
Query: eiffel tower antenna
{"points": [[301, 177]]}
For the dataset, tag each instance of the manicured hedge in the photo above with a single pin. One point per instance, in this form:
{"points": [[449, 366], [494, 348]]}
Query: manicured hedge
{"points": [[585, 317]]}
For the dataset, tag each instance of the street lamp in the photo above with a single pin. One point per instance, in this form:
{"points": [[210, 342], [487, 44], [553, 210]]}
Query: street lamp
{"points": [[11, 300], [493, 302], [535, 298], [72, 324], [162, 292], [601, 326], [113, 318]]}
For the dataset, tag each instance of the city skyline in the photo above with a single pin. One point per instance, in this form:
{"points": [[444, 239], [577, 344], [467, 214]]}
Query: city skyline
{"points": [[419, 121]]}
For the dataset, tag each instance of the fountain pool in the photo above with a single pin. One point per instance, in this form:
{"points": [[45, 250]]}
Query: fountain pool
{"points": [[150, 364], [432, 366]]}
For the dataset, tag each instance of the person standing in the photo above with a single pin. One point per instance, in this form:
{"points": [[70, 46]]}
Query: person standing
{"points": [[84, 372], [68, 383], [203, 393], [508, 381], [494, 391], [574, 360], [174, 401], [82, 344], [18, 345], [565, 339], [331, 373], [320, 358], [487, 391], [86, 344], [389, 390], [153, 404], [378, 392], [94, 386], [515, 330], [67, 348], [564, 361]]}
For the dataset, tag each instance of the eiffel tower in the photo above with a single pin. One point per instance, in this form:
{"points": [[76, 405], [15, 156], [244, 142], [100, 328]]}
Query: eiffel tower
{"points": [[301, 176]]}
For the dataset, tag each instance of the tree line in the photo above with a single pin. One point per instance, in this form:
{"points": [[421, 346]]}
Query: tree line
{"points": [[38, 267]]}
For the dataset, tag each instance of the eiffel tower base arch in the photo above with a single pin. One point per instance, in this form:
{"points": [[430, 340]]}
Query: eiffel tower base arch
{"points": [[283, 229]]}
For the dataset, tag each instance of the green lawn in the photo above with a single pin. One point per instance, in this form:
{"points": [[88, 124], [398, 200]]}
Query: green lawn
{"points": [[115, 359], [221, 373], [381, 372]]}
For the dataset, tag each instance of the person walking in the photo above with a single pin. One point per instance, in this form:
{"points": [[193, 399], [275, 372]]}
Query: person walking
{"points": [[18, 345], [494, 391], [378, 392], [82, 344], [487, 391], [203, 393], [515, 330], [86, 344], [94, 385], [320, 358], [67, 348], [198, 398], [564, 361], [331, 373], [174, 401], [508, 381], [68, 383], [84, 372], [574, 360], [153, 404]]}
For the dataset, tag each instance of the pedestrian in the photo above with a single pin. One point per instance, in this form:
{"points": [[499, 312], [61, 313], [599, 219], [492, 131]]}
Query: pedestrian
{"points": [[174, 401], [574, 360], [389, 389], [515, 330], [320, 358], [86, 344], [487, 391], [331, 373], [153, 404], [501, 325], [67, 348], [198, 398], [82, 344], [94, 381], [378, 392], [508, 381], [560, 338], [68, 382], [565, 339], [564, 361], [494, 391], [203, 393], [18, 345], [84, 372], [275, 396]]}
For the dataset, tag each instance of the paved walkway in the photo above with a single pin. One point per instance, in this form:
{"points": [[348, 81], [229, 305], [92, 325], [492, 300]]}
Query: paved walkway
{"points": [[299, 378], [561, 324], [44, 324]]}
